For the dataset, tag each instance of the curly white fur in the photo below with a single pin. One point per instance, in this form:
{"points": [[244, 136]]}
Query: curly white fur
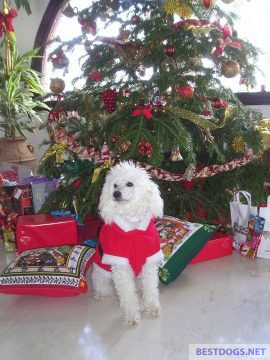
{"points": [[136, 202]]}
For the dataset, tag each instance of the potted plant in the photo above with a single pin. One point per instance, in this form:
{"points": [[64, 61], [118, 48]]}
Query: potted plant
{"points": [[20, 91]]}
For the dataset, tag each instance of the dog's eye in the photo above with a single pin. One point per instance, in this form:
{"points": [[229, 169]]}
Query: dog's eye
{"points": [[129, 184], [115, 186]]}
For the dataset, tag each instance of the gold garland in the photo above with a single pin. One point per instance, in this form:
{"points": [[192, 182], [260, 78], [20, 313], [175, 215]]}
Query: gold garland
{"points": [[197, 119]]}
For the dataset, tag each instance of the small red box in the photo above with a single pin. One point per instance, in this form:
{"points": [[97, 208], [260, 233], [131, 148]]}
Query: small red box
{"points": [[90, 229], [219, 245], [45, 230]]}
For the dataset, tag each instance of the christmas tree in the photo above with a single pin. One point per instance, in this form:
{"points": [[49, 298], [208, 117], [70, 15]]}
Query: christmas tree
{"points": [[154, 95]]}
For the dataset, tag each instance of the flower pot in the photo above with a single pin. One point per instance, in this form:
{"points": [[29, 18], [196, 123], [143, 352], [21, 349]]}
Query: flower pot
{"points": [[18, 151]]}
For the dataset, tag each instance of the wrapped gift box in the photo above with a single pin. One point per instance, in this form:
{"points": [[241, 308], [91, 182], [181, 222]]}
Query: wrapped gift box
{"points": [[89, 230], [14, 201], [21, 171], [219, 245], [45, 230]]}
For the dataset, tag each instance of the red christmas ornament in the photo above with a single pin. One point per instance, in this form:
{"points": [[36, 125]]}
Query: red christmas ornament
{"points": [[109, 97], [208, 3], [188, 185], [226, 31], [185, 91], [201, 213], [94, 76], [218, 103], [88, 27], [60, 60], [144, 148], [169, 50]]}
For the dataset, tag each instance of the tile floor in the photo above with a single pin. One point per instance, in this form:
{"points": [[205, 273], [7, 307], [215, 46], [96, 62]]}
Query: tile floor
{"points": [[225, 300]]}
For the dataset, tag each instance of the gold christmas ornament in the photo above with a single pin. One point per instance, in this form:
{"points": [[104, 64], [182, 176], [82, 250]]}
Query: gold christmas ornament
{"points": [[168, 64], [264, 128], [194, 61], [177, 7], [238, 144], [57, 85], [230, 69], [68, 11], [176, 155]]}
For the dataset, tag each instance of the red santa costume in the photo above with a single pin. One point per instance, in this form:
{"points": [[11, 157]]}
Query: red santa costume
{"points": [[134, 247]]}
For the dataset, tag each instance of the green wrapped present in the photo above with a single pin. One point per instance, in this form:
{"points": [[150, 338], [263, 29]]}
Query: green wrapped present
{"points": [[180, 243]]}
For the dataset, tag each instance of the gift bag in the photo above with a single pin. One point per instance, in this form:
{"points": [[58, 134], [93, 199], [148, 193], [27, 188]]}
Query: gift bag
{"points": [[240, 214], [264, 247], [249, 248], [41, 189]]}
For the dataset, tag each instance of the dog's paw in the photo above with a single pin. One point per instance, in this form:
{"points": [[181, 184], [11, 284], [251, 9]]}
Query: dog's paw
{"points": [[132, 320], [153, 309]]}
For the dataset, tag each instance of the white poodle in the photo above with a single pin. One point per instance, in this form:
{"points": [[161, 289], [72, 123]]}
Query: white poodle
{"points": [[129, 244]]}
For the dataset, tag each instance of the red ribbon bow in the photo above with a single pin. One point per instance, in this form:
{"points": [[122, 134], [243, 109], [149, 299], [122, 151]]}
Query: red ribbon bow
{"points": [[146, 112], [227, 42], [6, 21]]}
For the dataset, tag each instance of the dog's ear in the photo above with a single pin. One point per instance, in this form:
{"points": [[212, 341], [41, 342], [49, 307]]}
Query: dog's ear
{"points": [[105, 206], [154, 199]]}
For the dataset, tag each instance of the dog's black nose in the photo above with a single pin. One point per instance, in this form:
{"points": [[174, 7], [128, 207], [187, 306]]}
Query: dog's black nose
{"points": [[117, 195]]}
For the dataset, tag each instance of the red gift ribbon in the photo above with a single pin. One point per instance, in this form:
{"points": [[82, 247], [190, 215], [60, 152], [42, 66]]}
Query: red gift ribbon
{"points": [[146, 112], [6, 21]]}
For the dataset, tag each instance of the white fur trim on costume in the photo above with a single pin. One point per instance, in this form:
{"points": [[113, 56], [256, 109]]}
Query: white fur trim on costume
{"points": [[156, 258], [114, 260], [104, 272]]}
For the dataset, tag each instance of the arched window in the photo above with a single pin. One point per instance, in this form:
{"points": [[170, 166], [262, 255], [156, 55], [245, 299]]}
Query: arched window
{"points": [[249, 27]]}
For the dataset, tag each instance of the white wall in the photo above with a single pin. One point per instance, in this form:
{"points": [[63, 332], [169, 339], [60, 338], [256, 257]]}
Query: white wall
{"points": [[26, 26], [265, 109]]}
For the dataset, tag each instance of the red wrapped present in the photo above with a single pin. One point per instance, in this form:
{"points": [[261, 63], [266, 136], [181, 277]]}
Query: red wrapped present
{"points": [[90, 229], [219, 245], [45, 230], [8, 177]]}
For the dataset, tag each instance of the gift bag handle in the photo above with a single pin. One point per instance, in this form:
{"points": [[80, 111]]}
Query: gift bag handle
{"points": [[246, 195]]}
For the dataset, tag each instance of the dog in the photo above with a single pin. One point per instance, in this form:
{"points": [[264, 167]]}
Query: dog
{"points": [[129, 244]]}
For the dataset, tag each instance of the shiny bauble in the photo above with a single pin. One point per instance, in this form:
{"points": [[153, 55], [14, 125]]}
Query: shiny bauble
{"points": [[194, 61], [57, 86], [125, 5], [135, 19], [230, 69], [113, 4], [208, 4], [185, 91], [68, 11], [169, 50]]}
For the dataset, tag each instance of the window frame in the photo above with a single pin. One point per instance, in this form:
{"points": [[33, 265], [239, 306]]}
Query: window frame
{"points": [[45, 28]]}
